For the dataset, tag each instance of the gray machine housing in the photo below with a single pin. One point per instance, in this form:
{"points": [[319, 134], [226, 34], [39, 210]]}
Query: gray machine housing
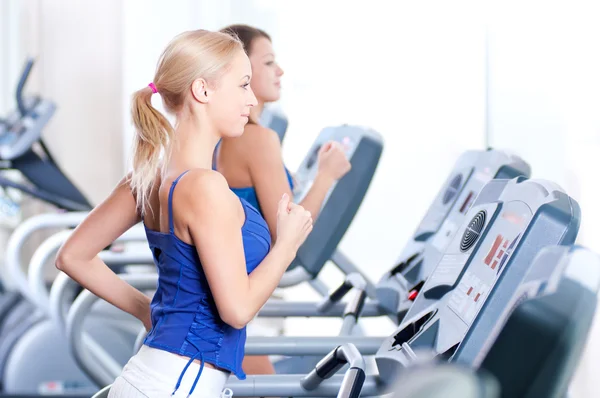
{"points": [[542, 335], [446, 214], [363, 148], [274, 120], [510, 222], [532, 349], [22, 148], [390, 296], [443, 380]]}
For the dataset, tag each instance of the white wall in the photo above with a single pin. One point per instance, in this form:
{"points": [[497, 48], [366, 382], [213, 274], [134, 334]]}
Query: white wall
{"points": [[81, 54], [77, 51], [412, 72], [544, 102], [147, 28], [15, 41]]}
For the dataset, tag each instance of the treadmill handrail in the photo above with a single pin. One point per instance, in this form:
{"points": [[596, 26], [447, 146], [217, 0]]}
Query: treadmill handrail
{"points": [[49, 248], [294, 277], [35, 192], [331, 363], [289, 309], [60, 298], [263, 386], [21, 85], [353, 280], [91, 358], [308, 345], [14, 260]]}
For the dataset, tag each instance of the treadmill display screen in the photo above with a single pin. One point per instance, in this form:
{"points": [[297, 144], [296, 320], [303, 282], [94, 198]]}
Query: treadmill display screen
{"points": [[466, 204], [481, 275], [313, 157], [15, 131]]}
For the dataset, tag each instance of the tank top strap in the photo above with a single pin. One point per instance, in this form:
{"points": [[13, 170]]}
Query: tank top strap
{"points": [[170, 200], [214, 161]]}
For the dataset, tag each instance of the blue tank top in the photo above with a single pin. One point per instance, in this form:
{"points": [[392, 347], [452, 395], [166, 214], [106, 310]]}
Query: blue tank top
{"points": [[185, 320], [249, 193]]}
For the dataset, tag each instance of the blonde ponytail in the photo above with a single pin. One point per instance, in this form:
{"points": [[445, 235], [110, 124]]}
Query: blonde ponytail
{"points": [[153, 135]]}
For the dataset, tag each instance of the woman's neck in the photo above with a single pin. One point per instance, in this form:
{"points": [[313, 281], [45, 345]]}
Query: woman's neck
{"points": [[194, 144]]}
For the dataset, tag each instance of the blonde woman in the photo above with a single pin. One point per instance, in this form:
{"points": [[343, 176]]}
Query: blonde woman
{"points": [[216, 264]]}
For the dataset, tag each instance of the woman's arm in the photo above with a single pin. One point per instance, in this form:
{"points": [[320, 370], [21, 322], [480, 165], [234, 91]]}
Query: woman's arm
{"points": [[78, 257], [265, 164]]}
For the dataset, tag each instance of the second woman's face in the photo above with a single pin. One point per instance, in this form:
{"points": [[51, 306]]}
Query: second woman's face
{"points": [[266, 73]]}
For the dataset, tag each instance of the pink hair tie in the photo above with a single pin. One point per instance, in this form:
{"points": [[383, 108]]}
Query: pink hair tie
{"points": [[153, 87]]}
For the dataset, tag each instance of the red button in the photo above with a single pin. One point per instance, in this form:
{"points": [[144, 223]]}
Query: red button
{"points": [[413, 295]]}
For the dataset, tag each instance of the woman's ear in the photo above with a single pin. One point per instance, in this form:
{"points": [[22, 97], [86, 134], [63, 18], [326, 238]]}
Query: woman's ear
{"points": [[200, 91]]}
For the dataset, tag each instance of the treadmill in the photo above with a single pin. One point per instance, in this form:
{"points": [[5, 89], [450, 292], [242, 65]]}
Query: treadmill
{"points": [[477, 278]]}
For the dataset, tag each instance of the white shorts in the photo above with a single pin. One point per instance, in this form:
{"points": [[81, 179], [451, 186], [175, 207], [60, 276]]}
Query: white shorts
{"points": [[154, 373]]}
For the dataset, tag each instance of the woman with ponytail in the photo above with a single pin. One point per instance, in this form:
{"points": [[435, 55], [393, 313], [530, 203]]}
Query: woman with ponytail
{"points": [[216, 264]]}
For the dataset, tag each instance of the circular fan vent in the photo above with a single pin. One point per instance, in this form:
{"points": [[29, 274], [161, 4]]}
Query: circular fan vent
{"points": [[452, 189], [473, 231]]}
